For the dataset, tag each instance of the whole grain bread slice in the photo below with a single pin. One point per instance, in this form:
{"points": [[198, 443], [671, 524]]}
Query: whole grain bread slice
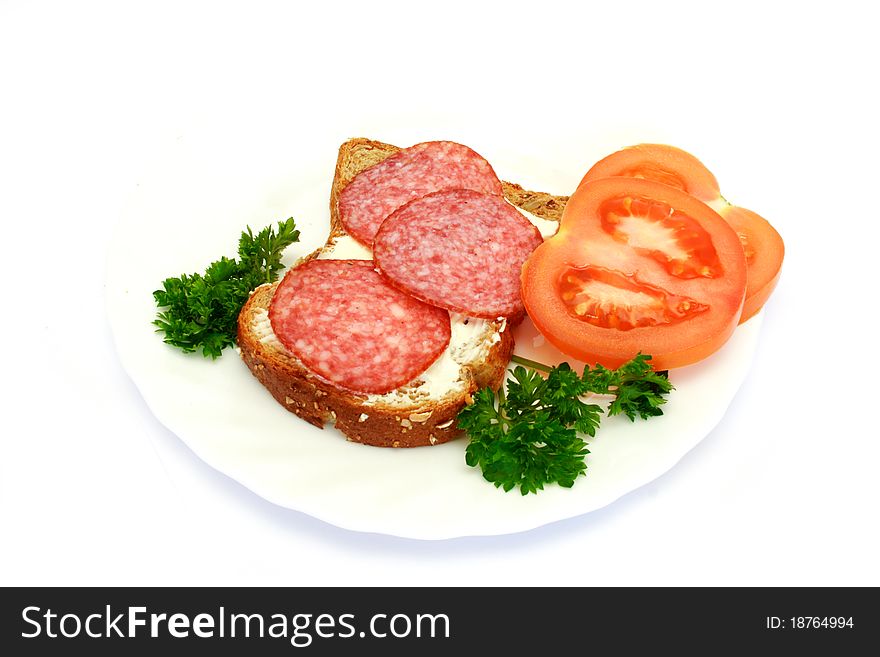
{"points": [[416, 414]]}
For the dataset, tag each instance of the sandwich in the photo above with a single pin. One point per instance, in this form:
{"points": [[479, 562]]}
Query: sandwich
{"points": [[451, 316]]}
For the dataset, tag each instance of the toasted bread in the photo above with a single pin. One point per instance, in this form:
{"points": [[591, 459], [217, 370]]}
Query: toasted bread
{"points": [[421, 413]]}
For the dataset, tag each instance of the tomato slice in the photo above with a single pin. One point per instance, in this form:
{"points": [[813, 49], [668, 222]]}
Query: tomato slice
{"points": [[764, 251], [665, 164], [636, 266], [672, 166]]}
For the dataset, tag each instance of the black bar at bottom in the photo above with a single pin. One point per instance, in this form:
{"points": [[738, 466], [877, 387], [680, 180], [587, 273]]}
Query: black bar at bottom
{"points": [[428, 621]]}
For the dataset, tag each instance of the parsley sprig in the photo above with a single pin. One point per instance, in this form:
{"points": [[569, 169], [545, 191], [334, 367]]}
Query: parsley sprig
{"points": [[532, 434], [200, 311]]}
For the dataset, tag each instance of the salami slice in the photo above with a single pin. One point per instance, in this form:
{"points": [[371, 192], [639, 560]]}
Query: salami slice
{"points": [[347, 325], [458, 249], [412, 172]]}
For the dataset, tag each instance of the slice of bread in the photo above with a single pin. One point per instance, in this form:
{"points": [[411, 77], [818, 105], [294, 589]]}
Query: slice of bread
{"points": [[421, 413]]}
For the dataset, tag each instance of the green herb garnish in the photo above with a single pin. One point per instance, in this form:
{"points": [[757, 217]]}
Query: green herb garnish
{"points": [[200, 311], [532, 435]]}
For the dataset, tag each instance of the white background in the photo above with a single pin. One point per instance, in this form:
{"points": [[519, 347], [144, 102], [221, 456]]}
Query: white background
{"points": [[779, 100]]}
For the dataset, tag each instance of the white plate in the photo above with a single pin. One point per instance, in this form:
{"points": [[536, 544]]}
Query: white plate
{"points": [[190, 210]]}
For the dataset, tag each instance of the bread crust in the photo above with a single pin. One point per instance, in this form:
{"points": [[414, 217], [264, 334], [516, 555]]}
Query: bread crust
{"points": [[421, 422], [411, 421]]}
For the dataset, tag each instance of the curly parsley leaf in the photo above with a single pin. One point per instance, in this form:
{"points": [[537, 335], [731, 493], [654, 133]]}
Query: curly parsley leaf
{"points": [[200, 311], [260, 254], [526, 448], [638, 390], [532, 434]]}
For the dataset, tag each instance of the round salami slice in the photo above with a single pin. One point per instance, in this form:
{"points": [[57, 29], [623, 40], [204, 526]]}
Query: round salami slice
{"points": [[458, 249], [351, 328], [408, 174]]}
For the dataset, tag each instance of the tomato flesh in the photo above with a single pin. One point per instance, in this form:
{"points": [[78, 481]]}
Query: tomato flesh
{"points": [[647, 171], [671, 237], [636, 266], [613, 299], [763, 247]]}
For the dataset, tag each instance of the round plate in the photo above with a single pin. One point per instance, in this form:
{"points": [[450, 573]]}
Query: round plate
{"points": [[191, 209]]}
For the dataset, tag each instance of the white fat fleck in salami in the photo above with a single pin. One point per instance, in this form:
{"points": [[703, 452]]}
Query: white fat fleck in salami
{"points": [[351, 328], [458, 249], [408, 174]]}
